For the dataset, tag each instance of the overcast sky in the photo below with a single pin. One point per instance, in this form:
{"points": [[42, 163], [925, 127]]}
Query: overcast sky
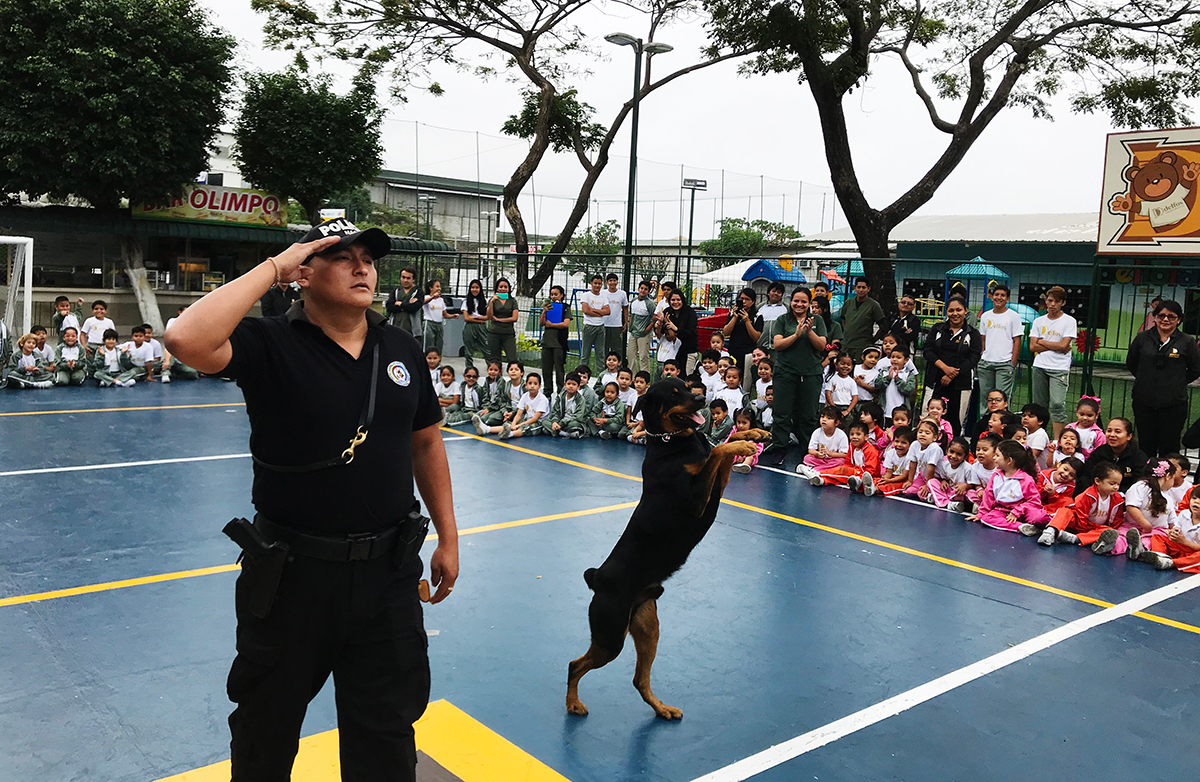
{"points": [[761, 130]]}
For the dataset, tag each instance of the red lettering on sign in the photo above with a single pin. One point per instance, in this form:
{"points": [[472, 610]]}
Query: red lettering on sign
{"points": [[237, 202], [255, 202], [197, 199], [271, 204]]}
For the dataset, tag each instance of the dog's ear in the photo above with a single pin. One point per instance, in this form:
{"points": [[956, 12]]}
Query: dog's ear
{"points": [[643, 406]]}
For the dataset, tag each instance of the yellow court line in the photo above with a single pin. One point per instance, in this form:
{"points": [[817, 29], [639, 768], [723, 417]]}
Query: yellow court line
{"points": [[551, 457], [121, 409], [876, 542], [209, 571]]}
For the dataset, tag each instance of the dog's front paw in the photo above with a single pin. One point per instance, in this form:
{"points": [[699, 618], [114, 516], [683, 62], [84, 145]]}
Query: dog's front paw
{"points": [[575, 706], [668, 712], [742, 448], [759, 435]]}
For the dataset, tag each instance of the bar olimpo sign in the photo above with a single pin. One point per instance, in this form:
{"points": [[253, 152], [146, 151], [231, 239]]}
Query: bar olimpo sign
{"points": [[212, 204]]}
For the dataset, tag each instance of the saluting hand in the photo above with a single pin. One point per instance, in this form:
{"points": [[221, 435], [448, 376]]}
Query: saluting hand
{"points": [[289, 262]]}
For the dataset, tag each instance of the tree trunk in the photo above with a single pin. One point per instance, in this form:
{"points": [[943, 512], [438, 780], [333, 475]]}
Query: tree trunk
{"points": [[518, 180], [135, 270]]}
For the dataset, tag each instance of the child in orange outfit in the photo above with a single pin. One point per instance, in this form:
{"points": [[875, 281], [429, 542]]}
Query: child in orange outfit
{"points": [[1057, 484], [861, 467], [1101, 507], [1178, 546]]}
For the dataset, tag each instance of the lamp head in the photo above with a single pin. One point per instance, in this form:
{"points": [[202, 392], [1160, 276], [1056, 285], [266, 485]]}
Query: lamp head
{"points": [[622, 39], [658, 48]]}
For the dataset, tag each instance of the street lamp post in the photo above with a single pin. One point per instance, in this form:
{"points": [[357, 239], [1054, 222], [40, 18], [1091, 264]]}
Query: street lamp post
{"points": [[429, 201], [489, 215], [693, 185], [639, 48]]}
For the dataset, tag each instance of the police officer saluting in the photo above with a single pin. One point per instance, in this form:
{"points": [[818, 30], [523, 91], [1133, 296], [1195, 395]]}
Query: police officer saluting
{"points": [[342, 418]]}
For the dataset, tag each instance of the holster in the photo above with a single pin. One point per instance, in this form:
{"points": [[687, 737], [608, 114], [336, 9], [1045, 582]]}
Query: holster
{"points": [[264, 565], [413, 530]]}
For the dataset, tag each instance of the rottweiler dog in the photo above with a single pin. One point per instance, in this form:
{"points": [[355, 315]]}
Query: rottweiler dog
{"points": [[683, 478]]}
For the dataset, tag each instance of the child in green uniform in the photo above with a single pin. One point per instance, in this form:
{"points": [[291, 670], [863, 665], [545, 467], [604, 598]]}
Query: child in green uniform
{"points": [[587, 388], [26, 368], [489, 391], [721, 422], [108, 362], [610, 418], [470, 400], [571, 415], [70, 359], [66, 317], [504, 403]]}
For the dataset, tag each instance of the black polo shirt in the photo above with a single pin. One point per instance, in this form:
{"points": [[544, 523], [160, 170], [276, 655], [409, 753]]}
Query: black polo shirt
{"points": [[305, 395]]}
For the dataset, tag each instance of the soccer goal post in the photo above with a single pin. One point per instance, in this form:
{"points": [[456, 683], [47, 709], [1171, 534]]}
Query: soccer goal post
{"points": [[18, 253]]}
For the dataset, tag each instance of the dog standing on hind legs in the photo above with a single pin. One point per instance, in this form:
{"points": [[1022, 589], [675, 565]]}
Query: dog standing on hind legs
{"points": [[682, 482]]}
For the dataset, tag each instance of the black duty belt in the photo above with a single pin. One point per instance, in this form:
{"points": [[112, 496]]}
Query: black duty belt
{"points": [[341, 548], [360, 436]]}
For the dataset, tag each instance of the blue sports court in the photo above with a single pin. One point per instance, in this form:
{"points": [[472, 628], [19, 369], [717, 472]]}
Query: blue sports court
{"points": [[813, 634]]}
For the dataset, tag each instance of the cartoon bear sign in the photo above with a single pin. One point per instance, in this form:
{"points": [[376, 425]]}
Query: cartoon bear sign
{"points": [[1163, 191]]}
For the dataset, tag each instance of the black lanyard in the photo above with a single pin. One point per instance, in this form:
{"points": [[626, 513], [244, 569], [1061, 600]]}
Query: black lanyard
{"points": [[360, 436]]}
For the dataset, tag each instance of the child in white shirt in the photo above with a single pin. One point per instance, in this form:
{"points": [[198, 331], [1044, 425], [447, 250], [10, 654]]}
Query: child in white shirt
{"points": [[92, 333], [710, 375], [841, 390], [1033, 419], [448, 391], [732, 392]]}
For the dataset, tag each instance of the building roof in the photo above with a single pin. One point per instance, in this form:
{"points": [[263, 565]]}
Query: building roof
{"points": [[1074, 227], [978, 269], [440, 183]]}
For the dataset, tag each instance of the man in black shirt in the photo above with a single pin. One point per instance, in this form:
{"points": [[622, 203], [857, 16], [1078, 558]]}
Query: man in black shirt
{"points": [[343, 418], [277, 299], [905, 326]]}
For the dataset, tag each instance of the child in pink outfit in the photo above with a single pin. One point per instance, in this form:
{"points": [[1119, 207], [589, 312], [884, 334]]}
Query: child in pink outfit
{"points": [[828, 446], [1011, 498], [1091, 436], [952, 477], [744, 422], [935, 411], [929, 438]]}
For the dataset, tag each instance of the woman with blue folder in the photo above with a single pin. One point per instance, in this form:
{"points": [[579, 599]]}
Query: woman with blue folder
{"points": [[556, 325]]}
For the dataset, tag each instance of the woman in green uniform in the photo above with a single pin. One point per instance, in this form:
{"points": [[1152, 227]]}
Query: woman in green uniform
{"points": [[502, 312]]}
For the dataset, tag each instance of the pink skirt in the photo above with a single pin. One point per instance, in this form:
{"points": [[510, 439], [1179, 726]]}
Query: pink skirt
{"points": [[942, 493], [819, 464]]}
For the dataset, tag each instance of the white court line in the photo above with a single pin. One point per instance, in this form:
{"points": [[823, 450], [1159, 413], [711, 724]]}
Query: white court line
{"points": [[117, 465], [149, 463], [814, 739]]}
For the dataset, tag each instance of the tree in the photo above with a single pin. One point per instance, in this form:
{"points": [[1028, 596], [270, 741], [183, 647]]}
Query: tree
{"points": [[600, 244], [109, 100], [967, 61], [538, 43], [298, 138], [739, 239]]}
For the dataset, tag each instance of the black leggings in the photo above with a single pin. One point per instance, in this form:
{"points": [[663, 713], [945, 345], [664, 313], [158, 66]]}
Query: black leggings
{"points": [[1159, 428]]}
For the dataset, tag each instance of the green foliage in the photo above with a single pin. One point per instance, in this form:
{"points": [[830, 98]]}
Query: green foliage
{"points": [[601, 244], [108, 99], [570, 129], [401, 221], [298, 138], [738, 239]]}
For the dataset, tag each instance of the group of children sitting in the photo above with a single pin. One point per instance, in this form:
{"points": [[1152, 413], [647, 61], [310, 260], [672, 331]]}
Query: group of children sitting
{"points": [[1015, 478], [89, 350]]}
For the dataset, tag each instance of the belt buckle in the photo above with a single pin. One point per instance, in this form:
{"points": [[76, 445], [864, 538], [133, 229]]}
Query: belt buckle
{"points": [[360, 546]]}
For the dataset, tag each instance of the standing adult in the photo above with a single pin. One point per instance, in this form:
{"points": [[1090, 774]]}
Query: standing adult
{"points": [[555, 327], [641, 318], [277, 299], [475, 318], [951, 354], [1163, 361], [833, 330], [1002, 331], [859, 317], [799, 342], [905, 326], [329, 578], [596, 308], [680, 314], [741, 334], [768, 312], [1051, 338], [502, 322], [617, 318], [404, 304]]}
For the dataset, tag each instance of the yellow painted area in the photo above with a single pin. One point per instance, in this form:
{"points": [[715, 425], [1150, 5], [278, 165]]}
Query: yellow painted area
{"points": [[123, 409], [464, 746]]}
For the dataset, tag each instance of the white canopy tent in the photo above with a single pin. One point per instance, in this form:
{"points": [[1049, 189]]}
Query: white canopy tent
{"points": [[22, 267]]}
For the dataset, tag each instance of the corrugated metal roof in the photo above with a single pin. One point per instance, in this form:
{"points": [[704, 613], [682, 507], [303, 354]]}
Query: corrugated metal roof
{"points": [[445, 184], [1075, 227]]}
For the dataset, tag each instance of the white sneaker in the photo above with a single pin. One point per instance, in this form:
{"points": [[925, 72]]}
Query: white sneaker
{"points": [[506, 432], [125, 383], [957, 507], [1029, 530], [805, 471], [1163, 562], [1069, 538], [605, 435], [166, 377], [740, 467], [575, 436], [1107, 542], [855, 483], [867, 483], [817, 480], [1136, 548], [480, 429], [1049, 536]]}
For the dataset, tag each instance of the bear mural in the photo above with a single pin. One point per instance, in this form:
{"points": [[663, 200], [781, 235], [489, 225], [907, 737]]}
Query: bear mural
{"points": [[1163, 190]]}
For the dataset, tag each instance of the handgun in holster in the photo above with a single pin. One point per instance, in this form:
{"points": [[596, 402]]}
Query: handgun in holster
{"points": [[265, 561], [413, 530]]}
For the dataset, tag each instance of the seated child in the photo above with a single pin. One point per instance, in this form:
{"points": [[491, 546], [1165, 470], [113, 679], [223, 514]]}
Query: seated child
{"points": [[743, 421], [1091, 436], [717, 343], [641, 382], [732, 393], [896, 383], [70, 359], [827, 447], [532, 405], [710, 374], [26, 367], [935, 412], [471, 399], [43, 349], [1019, 437], [841, 390], [1033, 421], [871, 414], [860, 467], [901, 417], [952, 477], [668, 368], [92, 335], [586, 383], [109, 363], [1011, 497], [448, 391], [766, 416], [503, 404], [1177, 547], [897, 465], [668, 350], [66, 317], [490, 411], [981, 472], [1066, 447], [1183, 479], [612, 366], [141, 355], [433, 360], [928, 455], [570, 415], [1057, 485], [173, 368], [1099, 508], [610, 418], [156, 349], [765, 371], [1147, 510], [625, 388], [720, 423]]}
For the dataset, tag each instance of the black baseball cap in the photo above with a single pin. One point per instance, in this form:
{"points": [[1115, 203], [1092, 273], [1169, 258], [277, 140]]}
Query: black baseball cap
{"points": [[376, 241]]}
